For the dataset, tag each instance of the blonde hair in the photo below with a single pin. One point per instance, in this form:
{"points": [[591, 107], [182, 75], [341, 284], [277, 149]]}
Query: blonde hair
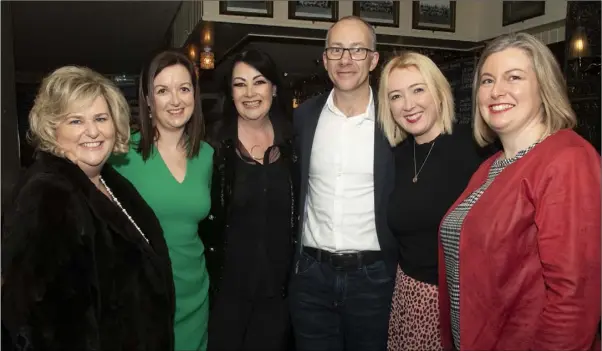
{"points": [[436, 83], [558, 113], [71, 86]]}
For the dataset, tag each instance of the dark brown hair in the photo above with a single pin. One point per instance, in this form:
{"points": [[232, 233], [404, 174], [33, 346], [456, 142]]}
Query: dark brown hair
{"points": [[262, 62], [194, 131]]}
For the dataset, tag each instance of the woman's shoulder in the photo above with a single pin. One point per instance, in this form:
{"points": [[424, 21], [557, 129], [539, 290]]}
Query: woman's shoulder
{"points": [[404, 148], [135, 136], [206, 151], [43, 186], [566, 139], [207, 148], [131, 158], [48, 173], [46, 198], [204, 158], [565, 148]]}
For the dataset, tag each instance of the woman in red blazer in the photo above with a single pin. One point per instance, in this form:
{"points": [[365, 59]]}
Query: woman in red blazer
{"points": [[520, 248]]}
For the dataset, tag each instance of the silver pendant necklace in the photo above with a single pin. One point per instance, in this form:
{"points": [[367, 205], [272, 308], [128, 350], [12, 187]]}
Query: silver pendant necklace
{"points": [[114, 199], [415, 179]]}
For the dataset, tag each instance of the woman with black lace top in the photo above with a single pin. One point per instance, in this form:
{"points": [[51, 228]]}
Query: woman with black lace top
{"points": [[249, 233]]}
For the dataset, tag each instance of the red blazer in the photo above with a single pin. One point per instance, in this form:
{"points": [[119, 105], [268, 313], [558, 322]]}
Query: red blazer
{"points": [[530, 253]]}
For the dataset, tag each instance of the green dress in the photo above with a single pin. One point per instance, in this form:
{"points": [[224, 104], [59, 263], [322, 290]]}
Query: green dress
{"points": [[179, 208]]}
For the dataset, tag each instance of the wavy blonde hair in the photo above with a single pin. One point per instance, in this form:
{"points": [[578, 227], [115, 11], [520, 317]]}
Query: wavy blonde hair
{"points": [[71, 86], [558, 113], [436, 83]]}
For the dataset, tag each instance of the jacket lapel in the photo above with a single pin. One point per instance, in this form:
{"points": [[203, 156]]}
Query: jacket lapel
{"points": [[307, 140], [309, 131], [382, 162]]}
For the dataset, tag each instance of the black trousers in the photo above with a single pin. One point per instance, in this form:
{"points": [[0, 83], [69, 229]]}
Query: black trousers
{"points": [[237, 324]]}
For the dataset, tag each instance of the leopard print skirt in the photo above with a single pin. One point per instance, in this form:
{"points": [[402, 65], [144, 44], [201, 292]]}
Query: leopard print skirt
{"points": [[414, 320]]}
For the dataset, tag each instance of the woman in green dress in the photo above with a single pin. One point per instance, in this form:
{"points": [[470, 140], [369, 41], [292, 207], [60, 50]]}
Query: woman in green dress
{"points": [[171, 165]]}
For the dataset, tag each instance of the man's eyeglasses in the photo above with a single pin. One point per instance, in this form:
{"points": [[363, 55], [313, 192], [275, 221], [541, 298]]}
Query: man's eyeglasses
{"points": [[357, 54]]}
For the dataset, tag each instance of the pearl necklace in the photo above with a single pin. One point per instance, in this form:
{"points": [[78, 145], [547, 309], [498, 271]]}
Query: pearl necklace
{"points": [[123, 209]]}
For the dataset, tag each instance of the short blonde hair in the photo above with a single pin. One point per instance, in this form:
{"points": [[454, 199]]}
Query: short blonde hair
{"points": [[437, 85], [71, 86], [558, 113]]}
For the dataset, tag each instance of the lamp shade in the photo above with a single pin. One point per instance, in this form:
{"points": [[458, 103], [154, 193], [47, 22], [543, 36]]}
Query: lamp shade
{"points": [[207, 60]]}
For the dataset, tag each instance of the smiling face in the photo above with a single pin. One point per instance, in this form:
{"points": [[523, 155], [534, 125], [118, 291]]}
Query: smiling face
{"points": [[173, 95], [251, 91], [346, 74], [88, 132], [412, 104], [509, 95]]}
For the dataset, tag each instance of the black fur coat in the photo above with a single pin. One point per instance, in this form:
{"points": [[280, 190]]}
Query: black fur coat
{"points": [[77, 275]]}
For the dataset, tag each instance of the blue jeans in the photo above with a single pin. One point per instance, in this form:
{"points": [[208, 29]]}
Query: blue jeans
{"points": [[336, 310]]}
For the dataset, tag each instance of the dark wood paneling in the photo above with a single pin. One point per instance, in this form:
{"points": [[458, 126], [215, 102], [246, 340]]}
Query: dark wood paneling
{"points": [[583, 76], [10, 132]]}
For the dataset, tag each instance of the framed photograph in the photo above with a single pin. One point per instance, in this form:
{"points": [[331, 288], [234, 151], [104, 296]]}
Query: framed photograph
{"points": [[314, 10], [247, 8], [378, 13], [518, 11], [434, 15]]}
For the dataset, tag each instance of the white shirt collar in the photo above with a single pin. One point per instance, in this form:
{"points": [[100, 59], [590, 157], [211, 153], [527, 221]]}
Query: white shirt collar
{"points": [[368, 114]]}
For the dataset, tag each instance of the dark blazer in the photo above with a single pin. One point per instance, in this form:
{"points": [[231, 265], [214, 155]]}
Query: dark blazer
{"points": [[223, 137], [77, 275], [305, 120]]}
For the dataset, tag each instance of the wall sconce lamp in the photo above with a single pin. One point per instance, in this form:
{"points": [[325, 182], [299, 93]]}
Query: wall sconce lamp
{"points": [[192, 53], [207, 34], [207, 59], [207, 38], [579, 46]]}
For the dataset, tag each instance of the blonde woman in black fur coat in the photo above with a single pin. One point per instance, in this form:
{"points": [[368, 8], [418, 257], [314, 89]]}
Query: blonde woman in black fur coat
{"points": [[84, 262]]}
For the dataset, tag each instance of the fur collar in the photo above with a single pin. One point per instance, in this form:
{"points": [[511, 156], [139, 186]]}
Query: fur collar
{"points": [[104, 209]]}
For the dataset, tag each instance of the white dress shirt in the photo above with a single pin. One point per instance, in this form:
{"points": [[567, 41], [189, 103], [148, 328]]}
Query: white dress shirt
{"points": [[339, 210]]}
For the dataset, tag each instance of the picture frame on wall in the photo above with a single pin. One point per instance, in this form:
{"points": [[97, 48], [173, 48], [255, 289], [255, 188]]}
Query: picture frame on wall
{"points": [[378, 13], [327, 11], [247, 8], [519, 11], [434, 15]]}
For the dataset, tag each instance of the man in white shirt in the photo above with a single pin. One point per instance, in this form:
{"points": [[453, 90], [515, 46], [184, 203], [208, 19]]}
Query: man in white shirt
{"points": [[346, 257]]}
